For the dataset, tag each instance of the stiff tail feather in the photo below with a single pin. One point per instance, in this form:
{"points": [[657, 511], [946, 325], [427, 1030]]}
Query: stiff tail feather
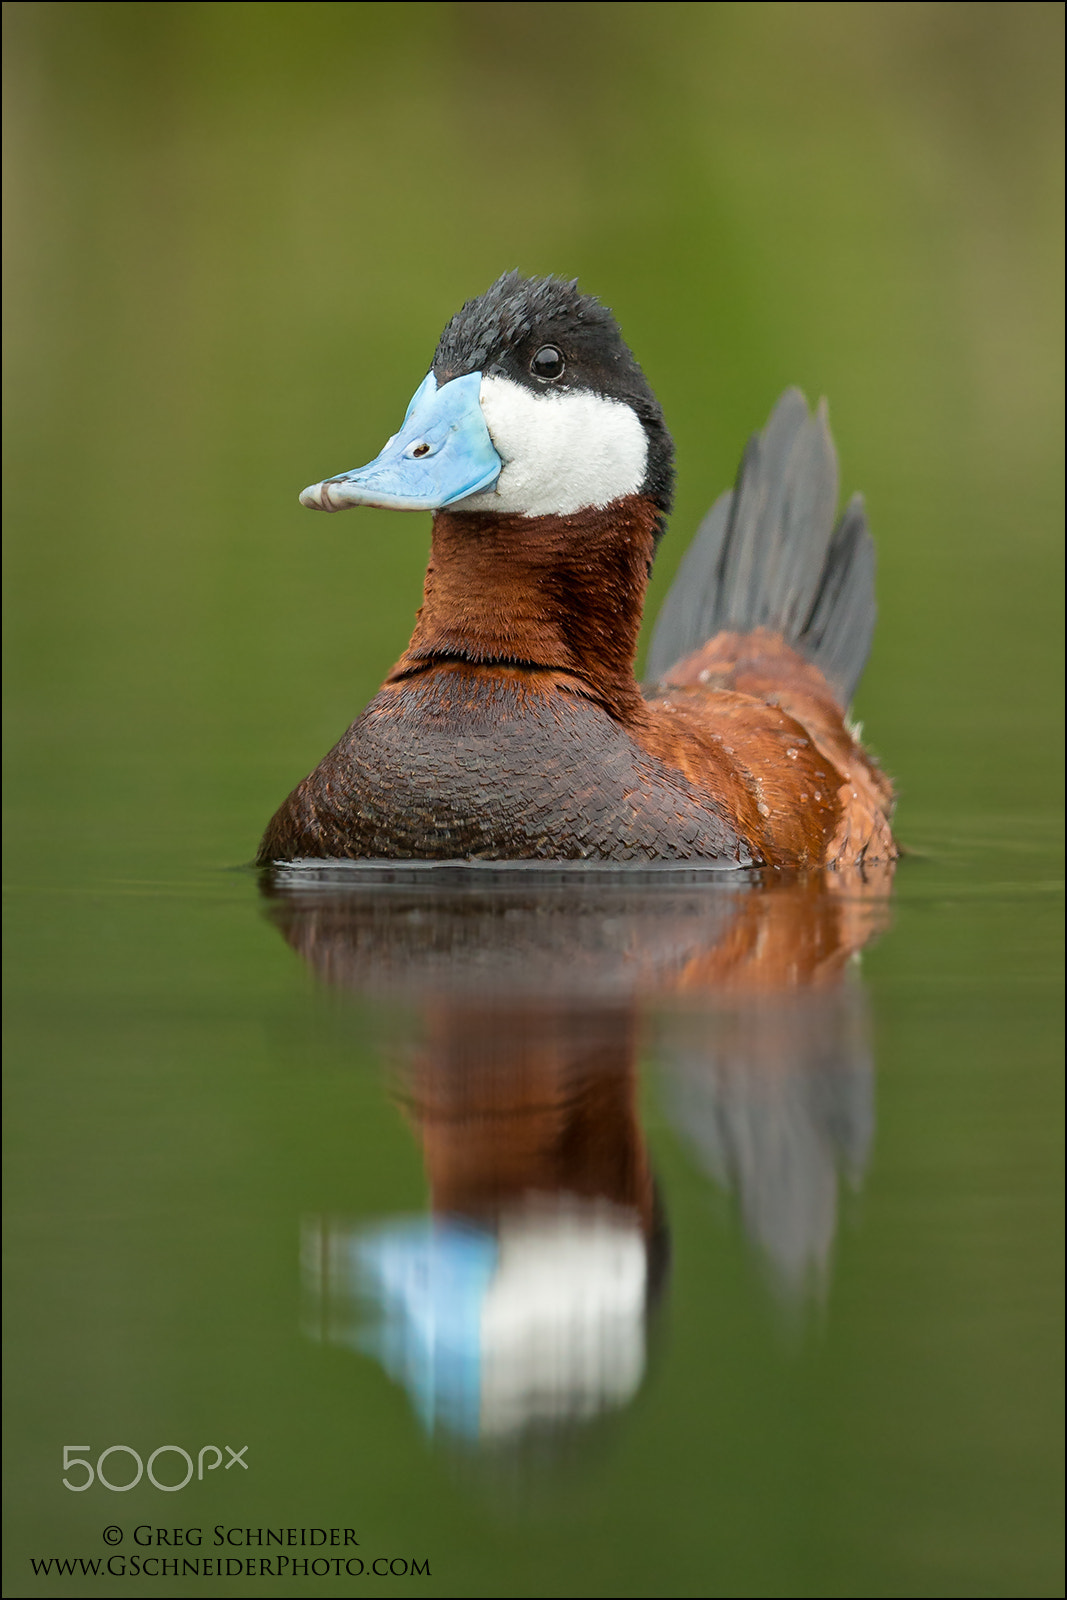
{"points": [[769, 555]]}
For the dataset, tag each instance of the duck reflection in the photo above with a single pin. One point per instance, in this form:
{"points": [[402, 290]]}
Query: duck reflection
{"points": [[768, 1074], [522, 1300]]}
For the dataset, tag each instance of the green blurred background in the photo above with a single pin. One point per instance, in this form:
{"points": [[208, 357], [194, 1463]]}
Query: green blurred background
{"points": [[234, 233]]}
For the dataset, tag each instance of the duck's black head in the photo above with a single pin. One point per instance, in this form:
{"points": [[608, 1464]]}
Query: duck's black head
{"points": [[555, 368], [534, 405]]}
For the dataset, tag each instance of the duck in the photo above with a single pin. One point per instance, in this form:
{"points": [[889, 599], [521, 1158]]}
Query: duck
{"points": [[513, 727]]}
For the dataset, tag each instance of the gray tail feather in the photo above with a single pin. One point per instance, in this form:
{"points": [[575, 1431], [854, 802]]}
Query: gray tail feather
{"points": [[768, 555]]}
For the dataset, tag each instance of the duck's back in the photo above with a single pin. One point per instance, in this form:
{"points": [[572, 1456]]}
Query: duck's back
{"points": [[767, 628]]}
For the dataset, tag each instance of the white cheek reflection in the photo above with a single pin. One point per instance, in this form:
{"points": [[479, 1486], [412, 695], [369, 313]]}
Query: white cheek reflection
{"points": [[562, 1323], [561, 452]]}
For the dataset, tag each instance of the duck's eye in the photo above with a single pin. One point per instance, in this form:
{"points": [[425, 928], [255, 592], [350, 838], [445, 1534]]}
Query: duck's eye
{"points": [[548, 362]]}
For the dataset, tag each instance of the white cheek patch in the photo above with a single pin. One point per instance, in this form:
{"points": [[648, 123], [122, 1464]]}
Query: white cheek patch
{"points": [[561, 452]]}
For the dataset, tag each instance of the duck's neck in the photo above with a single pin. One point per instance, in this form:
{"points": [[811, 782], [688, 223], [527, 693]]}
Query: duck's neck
{"points": [[562, 594]]}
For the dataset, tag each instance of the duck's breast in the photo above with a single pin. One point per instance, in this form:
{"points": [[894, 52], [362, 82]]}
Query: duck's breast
{"points": [[462, 761]]}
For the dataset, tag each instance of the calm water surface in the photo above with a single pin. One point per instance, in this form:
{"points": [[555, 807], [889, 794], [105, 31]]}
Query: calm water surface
{"points": [[593, 1236], [596, 1233]]}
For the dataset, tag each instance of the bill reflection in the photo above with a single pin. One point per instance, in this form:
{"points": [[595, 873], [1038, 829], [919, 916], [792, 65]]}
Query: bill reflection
{"points": [[521, 1302]]}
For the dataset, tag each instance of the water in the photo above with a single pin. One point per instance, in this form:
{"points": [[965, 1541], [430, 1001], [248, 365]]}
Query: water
{"points": [[743, 1273], [595, 1234]]}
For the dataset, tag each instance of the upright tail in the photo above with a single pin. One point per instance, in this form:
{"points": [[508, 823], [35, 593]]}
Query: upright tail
{"points": [[769, 555]]}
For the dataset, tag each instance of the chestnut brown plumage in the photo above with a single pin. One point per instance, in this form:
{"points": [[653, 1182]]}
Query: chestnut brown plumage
{"points": [[513, 728]]}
